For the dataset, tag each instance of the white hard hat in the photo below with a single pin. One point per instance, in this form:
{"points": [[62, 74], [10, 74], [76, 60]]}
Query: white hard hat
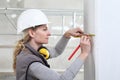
{"points": [[31, 18]]}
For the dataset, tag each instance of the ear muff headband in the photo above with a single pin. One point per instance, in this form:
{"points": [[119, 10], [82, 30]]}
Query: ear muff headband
{"points": [[44, 51]]}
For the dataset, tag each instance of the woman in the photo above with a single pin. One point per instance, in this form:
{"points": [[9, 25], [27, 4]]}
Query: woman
{"points": [[29, 64]]}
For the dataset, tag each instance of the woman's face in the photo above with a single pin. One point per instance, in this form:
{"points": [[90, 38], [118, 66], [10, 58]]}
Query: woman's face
{"points": [[41, 34]]}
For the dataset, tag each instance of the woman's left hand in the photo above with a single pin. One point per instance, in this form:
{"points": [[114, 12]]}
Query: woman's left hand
{"points": [[75, 32]]}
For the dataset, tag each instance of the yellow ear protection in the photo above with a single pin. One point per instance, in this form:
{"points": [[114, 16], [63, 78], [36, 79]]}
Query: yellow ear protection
{"points": [[44, 52]]}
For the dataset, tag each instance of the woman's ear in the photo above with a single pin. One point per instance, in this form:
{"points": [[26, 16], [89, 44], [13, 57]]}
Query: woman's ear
{"points": [[31, 32]]}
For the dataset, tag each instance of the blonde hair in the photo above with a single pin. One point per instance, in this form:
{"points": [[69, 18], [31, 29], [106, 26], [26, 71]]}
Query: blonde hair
{"points": [[19, 47]]}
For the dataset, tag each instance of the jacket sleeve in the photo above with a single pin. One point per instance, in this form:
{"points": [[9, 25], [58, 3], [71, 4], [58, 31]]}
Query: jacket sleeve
{"points": [[59, 48], [43, 73]]}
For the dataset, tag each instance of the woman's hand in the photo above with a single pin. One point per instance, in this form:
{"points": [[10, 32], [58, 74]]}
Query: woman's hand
{"points": [[75, 32], [85, 46]]}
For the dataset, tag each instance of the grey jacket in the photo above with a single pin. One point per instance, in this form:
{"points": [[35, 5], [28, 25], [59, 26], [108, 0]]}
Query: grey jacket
{"points": [[37, 69], [25, 59]]}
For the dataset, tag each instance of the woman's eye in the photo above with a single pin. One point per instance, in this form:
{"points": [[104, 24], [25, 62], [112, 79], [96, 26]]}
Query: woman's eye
{"points": [[45, 29]]}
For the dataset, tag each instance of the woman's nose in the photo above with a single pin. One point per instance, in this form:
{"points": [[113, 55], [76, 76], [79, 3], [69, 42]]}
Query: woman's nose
{"points": [[49, 34]]}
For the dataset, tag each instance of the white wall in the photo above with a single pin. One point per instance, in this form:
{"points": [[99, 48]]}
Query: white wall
{"points": [[107, 40]]}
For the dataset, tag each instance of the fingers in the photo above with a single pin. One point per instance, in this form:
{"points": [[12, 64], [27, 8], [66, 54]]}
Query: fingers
{"points": [[85, 44], [85, 39], [75, 32], [79, 30]]}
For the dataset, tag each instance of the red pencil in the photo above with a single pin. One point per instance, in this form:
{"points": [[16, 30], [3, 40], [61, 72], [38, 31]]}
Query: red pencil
{"points": [[74, 52]]}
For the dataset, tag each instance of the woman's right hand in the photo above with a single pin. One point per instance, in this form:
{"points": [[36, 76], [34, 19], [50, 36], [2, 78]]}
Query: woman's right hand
{"points": [[85, 47]]}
